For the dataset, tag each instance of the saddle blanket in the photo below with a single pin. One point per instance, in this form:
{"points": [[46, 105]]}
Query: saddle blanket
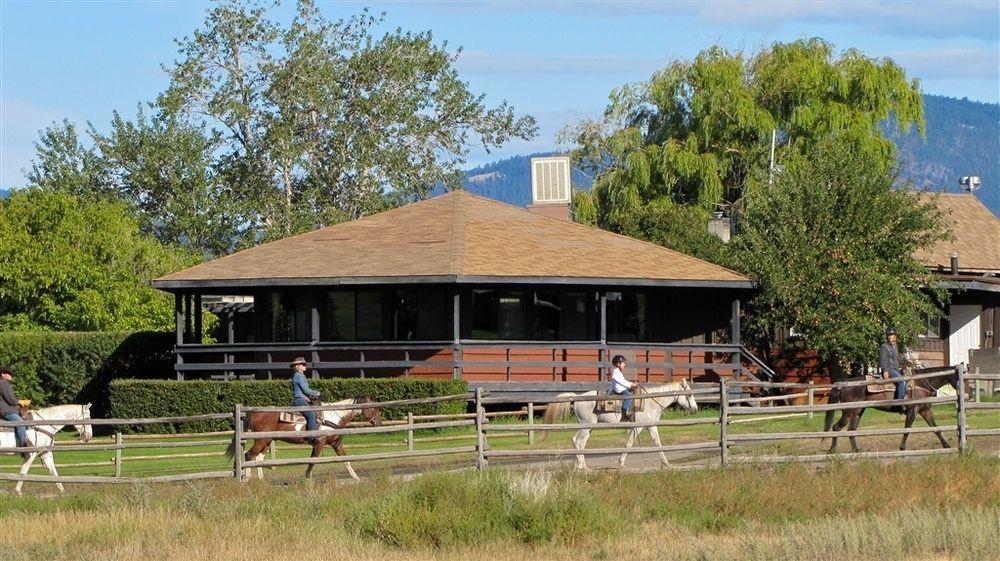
{"points": [[615, 405], [295, 418], [876, 385]]}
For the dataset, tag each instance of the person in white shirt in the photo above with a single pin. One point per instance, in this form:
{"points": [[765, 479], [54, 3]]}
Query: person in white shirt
{"points": [[621, 386]]}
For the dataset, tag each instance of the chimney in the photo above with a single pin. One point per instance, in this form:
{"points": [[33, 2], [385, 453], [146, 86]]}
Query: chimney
{"points": [[720, 226], [954, 263], [551, 189]]}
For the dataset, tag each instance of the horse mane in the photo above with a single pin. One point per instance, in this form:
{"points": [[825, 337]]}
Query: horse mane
{"points": [[57, 411]]}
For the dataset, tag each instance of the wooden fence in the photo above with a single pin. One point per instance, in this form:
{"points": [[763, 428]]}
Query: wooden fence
{"points": [[475, 447]]}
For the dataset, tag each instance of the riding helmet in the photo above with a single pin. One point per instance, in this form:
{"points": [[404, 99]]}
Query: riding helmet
{"points": [[618, 359]]}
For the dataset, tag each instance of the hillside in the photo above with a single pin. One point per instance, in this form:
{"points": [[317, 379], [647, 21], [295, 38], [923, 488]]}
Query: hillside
{"points": [[963, 138]]}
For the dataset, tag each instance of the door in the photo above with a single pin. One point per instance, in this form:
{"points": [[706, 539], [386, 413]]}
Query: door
{"points": [[964, 333]]}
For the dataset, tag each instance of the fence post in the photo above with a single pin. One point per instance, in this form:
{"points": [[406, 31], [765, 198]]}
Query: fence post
{"points": [[976, 397], [118, 454], [531, 421], [723, 422], [480, 433], [272, 450], [409, 433], [960, 394], [238, 442], [811, 395]]}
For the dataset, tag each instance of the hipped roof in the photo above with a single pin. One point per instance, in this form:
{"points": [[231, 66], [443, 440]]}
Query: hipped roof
{"points": [[977, 236], [456, 238]]}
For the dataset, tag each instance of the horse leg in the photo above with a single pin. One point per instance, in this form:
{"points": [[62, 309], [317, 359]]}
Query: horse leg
{"points": [[339, 449], [256, 452], [855, 419], [24, 470], [911, 414], [837, 428], [928, 414], [632, 434], [654, 433], [50, 464], [317, 450], [580, 442]]}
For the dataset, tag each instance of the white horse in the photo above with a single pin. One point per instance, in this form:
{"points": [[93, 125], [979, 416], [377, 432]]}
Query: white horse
{"points": [[43, 435], [651, 410]]}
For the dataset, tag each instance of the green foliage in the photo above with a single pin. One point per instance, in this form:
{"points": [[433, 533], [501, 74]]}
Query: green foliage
{"points": [[831, 245], [70, 264], [57, 368], [698, 133], [168, 398]]}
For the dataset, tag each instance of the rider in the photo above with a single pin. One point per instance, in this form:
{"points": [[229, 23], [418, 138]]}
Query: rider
{"points": [[888, 357], [9, 407], [621, 386], [301, 392]]}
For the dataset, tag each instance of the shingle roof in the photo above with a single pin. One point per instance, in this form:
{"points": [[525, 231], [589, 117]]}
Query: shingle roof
{"points": [[977, 236], [456, 237]]}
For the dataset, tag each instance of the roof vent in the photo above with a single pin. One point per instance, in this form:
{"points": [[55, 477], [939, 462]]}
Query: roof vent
{"points": [[550, 180]]}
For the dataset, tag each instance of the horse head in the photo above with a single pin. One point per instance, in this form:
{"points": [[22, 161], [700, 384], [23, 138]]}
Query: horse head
{"points": [[687, 401], [86, 430], [373, 414]]}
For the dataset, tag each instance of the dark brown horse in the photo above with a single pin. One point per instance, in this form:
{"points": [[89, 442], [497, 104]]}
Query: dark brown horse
{"points": [[921, 388], [267, 421]]}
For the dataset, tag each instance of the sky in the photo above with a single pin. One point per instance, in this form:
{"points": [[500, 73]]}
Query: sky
{"points": [[557, 61]]}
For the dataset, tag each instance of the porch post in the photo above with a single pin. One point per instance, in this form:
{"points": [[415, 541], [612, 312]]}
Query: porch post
{"points": [[178, 331], [604, 335], [314, 319], [736, 337], [457, 334], [187, 318], [230, 327], [197, 318]]}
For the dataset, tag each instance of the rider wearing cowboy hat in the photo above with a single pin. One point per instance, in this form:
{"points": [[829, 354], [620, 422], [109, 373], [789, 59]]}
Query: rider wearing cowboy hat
{"points": [[621, 386], [888, 358], [10, 407], [301, 392]]}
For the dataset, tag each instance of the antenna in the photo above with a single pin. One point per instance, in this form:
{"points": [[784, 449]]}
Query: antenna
{"points": [[970, 183]]}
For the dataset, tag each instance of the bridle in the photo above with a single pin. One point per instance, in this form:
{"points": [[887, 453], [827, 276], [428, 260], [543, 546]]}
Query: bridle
{"points": [[660, 403]]}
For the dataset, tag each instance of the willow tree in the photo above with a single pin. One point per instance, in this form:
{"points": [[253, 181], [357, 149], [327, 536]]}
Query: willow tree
{"points": [[697, 136]]}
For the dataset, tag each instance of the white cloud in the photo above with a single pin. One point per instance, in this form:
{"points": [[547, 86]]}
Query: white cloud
{"points": [[513, 63], [950, 63]]}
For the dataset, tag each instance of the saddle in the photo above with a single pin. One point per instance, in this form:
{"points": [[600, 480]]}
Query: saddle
{"points": [[879, 385], [292, 417], [604, 405]]}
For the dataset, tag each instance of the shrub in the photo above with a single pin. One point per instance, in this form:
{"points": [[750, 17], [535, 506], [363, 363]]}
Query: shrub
{"points": [[75, 367], [132, 399]]}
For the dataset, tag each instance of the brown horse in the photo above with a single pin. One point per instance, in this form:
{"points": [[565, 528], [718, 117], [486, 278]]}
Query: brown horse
{"points": [[267, 421], [921, 388]]}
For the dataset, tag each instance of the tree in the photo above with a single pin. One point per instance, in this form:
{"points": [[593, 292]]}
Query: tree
{"points": [[697, 136], [63, 163], [72, 264], [325, 121], [831, 246]]}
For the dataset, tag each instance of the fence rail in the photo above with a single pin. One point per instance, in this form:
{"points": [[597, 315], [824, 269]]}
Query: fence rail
{"points": [[488, 435]]}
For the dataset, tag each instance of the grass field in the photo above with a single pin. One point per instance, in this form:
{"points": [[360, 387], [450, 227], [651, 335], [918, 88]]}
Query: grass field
{"points": [[145, 461], [936, 508]]}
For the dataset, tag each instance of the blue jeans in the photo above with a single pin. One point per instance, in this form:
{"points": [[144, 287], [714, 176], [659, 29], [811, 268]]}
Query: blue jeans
{"points": [[20, 433], [900, 385], [626, 404], [309, 415]]}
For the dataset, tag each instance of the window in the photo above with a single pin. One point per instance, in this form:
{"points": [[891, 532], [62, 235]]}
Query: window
{"points": [[931, 326], [559, 316], [291, 316], [369, 314], [627, 316], [340, 324]]}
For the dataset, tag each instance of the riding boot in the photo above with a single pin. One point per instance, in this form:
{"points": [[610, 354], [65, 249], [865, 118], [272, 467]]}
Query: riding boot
{"points": [[26, 444]]}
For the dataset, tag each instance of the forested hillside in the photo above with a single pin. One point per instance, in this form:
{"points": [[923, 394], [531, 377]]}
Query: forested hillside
{"points": [[963, 138]]}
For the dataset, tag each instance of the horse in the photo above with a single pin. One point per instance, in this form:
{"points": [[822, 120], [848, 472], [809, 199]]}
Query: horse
{"points": [[267, 421], [652, 408], [43, 435], [921, 388]]}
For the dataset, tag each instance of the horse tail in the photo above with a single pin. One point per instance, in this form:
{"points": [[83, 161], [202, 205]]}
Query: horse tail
{"points": [[231, 450], [834, 398], [555, 411]]}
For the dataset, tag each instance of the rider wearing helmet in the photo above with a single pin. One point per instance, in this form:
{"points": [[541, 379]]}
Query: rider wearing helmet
{"points": [[621, 386], [888, 358]]}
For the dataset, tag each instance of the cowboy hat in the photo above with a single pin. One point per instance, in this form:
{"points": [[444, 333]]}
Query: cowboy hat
{"points": [[299, 360]]}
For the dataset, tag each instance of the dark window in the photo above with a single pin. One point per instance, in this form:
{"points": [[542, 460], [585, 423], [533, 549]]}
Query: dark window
{"points": [[291, 316], [369, 310], [404, 306], [931, 326], [510, 322], [559, 316], [340, 324], [484, 314], [627, 314], [434, 315]]}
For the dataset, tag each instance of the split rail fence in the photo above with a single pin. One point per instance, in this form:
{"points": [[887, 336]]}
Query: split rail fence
{"points": [[476, 447]]}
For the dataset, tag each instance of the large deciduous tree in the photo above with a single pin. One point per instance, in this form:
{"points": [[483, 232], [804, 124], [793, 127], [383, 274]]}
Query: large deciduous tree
{"points": [[326, 120], [73, 264], [697, 136]]}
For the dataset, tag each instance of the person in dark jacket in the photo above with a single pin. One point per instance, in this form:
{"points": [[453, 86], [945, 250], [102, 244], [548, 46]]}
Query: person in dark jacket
{"points": [[10, 406], [888, 358], [301, 392]]}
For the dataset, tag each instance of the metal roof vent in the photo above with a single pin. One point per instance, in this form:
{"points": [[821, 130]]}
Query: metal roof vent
{"points": [[550, 180]]}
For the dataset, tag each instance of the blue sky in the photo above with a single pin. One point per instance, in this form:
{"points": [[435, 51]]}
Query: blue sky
{"points": [[555, 60]]}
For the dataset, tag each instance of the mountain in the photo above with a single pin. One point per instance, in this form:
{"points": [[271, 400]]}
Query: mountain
{"points": [[963, 138], [4, 193]]}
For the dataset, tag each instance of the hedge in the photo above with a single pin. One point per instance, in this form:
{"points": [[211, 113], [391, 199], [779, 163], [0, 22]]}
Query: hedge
{"points": [[75, 367], [133, 399]]}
